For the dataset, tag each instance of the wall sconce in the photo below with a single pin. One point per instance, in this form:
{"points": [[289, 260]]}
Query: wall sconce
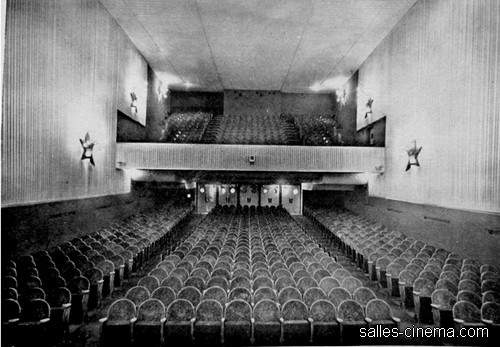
{"points": [[413, 155], [88, 148], [232, 190], [295, 191], [223, 190], [162, 92], [368, 109], [341, 96], [265, 191], [202, 190], [133, 105]]}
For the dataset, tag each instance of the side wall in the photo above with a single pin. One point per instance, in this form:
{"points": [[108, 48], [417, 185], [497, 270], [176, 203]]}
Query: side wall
{"points": [[436, 78], [61, 81], [469, 234]]}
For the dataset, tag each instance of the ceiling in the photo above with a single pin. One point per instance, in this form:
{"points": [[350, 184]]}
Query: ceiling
{"points": [[294, 46]]}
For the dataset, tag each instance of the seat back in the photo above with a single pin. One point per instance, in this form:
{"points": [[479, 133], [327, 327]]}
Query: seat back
{"points": [[11, 310], [491, 311], [209, 311], [350, 311], [261, 282], [323, 311], [165, 294], [240, 293], [288, 293], [378, 310], [121, 310], [195, 281], [180, 310], [313, 294], [466, 311], [138, 295], [351, 284], [284, 282], [340, 274], [294, 310], [338, 295], [443, 298], [151, 310], [264, 293], [58, 297], [150, 282], [363, 295], [305, 283], [266, 311], [491, 296], [159, 273], [191, 294]]}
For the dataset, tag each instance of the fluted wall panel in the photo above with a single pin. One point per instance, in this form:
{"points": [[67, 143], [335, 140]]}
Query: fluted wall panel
{"points": [[437, 79], [60, 82], [236, 157]]}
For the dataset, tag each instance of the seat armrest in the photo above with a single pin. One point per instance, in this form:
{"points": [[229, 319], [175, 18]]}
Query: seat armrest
{"points": [[369, 320], [133, 320], [311, 332], [14, 320], [66, 305], [486, 321], [460, 321], [436, 306], [192, 320], [340, 320], [282, 320], [163, 320], [45, 320], [396, 319], [103, 320]]}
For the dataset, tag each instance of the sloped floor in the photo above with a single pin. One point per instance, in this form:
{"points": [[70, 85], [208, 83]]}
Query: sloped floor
{"points": [[87, 335]]}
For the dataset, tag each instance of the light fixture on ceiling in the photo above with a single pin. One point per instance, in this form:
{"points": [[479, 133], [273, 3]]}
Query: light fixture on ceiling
{"points": [[88, 148], [413, 155], [232, 190], [188, 84], [295, 191], [223, 190], [316, 87], [265, 191], [202, 190]]}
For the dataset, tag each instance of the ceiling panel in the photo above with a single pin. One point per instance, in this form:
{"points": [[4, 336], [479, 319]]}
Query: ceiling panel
{"points": [[287, 45]]}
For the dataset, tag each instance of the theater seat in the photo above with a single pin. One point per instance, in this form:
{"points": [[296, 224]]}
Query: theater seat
{"points": [[116, 328], [351, 318], [267, 324], [179, 326], [296, 326], [238, 323], [148, 328], [325, 328], [208, 327]]}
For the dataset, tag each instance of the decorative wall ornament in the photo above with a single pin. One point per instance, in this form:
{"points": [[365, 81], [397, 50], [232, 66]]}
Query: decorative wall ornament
{"points": [[88, 148], [133, 105], [368, 110], [413, 155]]}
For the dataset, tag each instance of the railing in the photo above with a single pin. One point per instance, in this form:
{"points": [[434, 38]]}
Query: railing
{"points": [[165, 156]]}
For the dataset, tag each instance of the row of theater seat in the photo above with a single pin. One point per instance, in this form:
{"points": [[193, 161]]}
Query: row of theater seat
{"points": [[186, 127], [317, 130], [76, 275], [440, 287], [254, 272]]}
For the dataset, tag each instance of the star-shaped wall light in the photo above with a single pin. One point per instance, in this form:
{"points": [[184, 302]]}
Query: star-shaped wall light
{"points": [[368, 109], [88, 148], [133, 105], [413, 155]]}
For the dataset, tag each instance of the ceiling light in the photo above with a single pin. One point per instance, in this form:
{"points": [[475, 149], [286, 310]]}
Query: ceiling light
{"points": [[223, 190], [188, 84], [202, 190], [316, 87], [295, 191], [265, 190], [232, 190]]}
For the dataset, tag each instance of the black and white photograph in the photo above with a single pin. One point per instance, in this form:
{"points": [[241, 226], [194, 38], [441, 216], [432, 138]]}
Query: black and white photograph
{"points": [[250, 173]]}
